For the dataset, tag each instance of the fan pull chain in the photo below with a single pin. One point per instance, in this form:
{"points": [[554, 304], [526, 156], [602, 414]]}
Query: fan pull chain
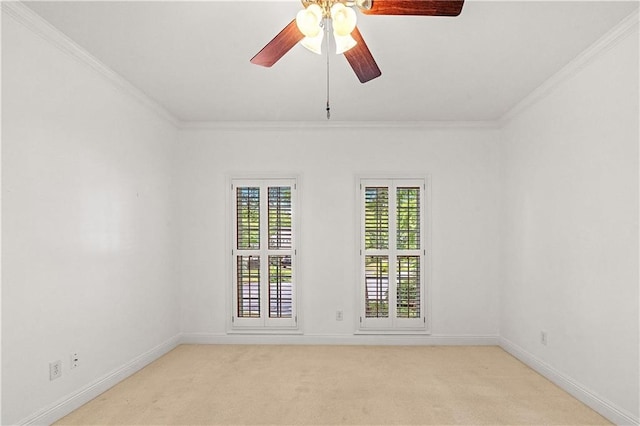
{"points": [[326, 28]]}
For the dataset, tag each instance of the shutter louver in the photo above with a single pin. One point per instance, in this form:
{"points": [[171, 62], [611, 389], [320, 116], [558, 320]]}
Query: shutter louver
{"points": [[280, 287], [248, 286], [408, 287], [279, 217], [408, 218], [248, 218], [377, 286], [376, 218]]}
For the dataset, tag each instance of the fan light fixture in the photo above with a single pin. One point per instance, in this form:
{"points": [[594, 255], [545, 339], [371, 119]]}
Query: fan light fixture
{"points": [[310, 21], [313, 22], [344, 22], [314, 44]]}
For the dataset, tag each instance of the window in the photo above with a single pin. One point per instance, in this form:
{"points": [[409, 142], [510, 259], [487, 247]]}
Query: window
{"points": [[264, 290], [393, 254]]}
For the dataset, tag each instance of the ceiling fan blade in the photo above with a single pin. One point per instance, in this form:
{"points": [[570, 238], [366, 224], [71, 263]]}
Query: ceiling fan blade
{"points": [[361, 59], [415, 7], [281, 44]]}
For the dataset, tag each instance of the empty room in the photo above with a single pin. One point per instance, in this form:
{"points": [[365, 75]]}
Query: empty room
{"points": [[320, 212]]}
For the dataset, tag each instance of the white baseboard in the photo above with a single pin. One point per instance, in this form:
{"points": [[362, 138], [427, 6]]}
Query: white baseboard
{"points": [[336, 339], [606, 408], [75, 400]]}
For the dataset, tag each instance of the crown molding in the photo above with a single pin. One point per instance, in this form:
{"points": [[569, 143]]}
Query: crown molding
{"points": [[278, 125], [27, 17], [602, 45]]}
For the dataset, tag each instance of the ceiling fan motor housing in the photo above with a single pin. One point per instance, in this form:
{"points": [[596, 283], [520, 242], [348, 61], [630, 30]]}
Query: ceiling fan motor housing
{"points": [[327, 4]]}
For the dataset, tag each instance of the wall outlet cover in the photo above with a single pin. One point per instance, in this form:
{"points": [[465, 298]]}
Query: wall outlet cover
{"points": [[543, 337], [55, 370], [75, 360]]}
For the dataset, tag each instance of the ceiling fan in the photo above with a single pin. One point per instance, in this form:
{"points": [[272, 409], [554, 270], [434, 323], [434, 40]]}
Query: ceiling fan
{"points": [[307, 29]]}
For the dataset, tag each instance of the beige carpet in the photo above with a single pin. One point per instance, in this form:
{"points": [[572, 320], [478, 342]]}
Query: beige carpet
{"points": [[211, 384]]}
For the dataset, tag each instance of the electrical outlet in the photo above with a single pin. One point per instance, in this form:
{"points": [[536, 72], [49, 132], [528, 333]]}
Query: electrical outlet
{"points": [[543, 337], [75, 360], [55, 370], [338, 315]]}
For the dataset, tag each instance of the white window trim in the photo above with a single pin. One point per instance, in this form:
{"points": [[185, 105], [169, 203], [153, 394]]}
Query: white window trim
{"points": [[361, 326], [265, 325]]}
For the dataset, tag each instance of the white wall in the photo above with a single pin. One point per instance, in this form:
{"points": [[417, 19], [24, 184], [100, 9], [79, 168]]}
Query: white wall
{"points": [[466, 221], [572, 229], [87, 256]]}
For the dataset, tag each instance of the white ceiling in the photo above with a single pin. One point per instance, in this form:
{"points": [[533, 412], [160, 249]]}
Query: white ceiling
{"points": [[193, 57]]}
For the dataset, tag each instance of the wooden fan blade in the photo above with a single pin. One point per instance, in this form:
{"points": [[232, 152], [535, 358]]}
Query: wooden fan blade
{"points": [[415, 7], [361, 59], [281, 44]]}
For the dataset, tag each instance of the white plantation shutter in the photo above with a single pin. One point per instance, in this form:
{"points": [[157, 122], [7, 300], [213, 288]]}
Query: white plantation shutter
{"points": [[280, 287], [280, 215], [408, 218], [248, 286], [376, 219], [248, 217], [377, 286], [393, 254], [264, 253], [408, 287]]}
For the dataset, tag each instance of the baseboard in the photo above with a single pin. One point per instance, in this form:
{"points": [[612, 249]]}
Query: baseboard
{"points": [[606, 408], [75, 400], [337, 339]]}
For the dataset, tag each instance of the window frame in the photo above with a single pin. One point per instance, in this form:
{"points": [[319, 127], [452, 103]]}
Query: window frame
{"points": [[393, 324], [264, 323]]}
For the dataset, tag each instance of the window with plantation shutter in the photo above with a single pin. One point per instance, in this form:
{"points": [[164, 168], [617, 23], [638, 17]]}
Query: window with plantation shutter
{"points": [[393, 254], [264, 290]]}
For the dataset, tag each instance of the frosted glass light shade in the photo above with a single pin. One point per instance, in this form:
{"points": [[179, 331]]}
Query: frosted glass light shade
{"points": [[314, 44], [344, 43], [344, 19], [308, 20]]}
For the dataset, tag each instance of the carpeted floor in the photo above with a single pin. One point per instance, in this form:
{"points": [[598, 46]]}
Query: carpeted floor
{"points": [[237, 384]]}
